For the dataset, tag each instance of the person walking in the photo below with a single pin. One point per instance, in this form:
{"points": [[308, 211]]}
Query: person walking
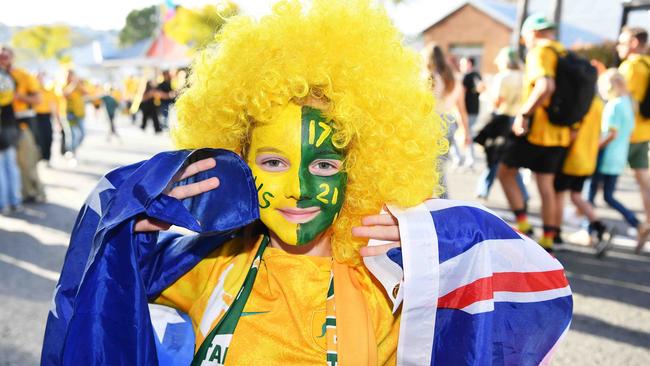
{"points": [[536, 143], [450, 105], [472, 88], [111, 105], [75, 93], [10, 195], [635, 68], [149, 108], [167, 96], [617, 127], [45, 110], [506, 96], [579, 165], [27, 154]]}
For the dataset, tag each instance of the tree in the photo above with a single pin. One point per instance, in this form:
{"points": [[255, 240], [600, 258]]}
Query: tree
{"points": [[197, 27], [604, 53], [45, 41], [140, 24]]}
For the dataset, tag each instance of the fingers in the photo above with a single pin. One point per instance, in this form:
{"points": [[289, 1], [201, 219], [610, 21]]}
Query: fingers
{"points": [[380, 227], [194, 189], [378, 249], [382, 219], [379, 232], [197, 167], [149, 224]]}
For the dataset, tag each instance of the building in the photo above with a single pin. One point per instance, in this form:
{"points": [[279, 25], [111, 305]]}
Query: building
{"points": [[479, 28]]}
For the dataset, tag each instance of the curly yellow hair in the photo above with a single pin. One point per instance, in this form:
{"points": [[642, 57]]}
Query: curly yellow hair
{"points": [[344, 52]]}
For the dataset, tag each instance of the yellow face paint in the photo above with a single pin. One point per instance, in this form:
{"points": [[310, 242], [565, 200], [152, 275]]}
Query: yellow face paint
{"points": [[299, 192]]}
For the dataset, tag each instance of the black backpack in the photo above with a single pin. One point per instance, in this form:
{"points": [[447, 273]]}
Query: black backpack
{"points": [[644, 105], [575, 87]]}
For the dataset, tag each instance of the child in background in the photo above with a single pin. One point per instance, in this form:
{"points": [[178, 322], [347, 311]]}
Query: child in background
{"points": [[111, 105], [617, 126]]}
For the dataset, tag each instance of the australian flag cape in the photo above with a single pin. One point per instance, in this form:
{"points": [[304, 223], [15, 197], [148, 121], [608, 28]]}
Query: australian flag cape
{"points": [[474, 292]]}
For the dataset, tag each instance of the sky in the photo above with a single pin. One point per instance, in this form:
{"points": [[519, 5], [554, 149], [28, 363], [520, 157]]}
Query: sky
{"points": [[97, 14], [598, 16]]}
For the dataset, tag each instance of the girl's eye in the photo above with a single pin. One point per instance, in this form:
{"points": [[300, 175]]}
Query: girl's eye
{"points": [[325, 168], [272, 164]]}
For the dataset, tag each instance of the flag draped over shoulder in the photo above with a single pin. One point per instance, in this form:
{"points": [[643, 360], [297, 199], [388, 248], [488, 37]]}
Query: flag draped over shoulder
{"points": [[501, 299], [474, 292], [100, 313]]}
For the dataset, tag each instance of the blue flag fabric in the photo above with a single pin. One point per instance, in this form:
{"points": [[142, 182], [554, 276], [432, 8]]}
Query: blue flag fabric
{"points": [[476, 292], [100, 313]]}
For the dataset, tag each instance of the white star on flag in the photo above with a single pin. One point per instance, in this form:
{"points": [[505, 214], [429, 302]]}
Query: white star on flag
{"points": [[161, 316], [93, 200], [53, 304]]}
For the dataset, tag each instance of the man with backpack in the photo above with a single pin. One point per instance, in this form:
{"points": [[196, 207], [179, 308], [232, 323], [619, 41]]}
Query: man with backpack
{"points": [[540, 142], [635, 68]]}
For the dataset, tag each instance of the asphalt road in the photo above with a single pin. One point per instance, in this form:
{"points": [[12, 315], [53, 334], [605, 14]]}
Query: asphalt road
{"points": [[611, 324]]}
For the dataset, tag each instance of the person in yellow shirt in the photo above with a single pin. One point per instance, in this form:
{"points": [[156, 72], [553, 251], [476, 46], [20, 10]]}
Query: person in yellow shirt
{"points": [[10, 186], [321, 136], [131, 87], [579, 165], [28, 155], [47, 108], [537, 144], [298, 135], [635, 68], [75, 93]]}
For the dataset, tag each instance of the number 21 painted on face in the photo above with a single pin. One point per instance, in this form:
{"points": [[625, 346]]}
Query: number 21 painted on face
{"points": [[326, 190]]}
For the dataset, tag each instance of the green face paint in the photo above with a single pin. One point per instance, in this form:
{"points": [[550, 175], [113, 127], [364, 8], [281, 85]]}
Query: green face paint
{"points": [[325, 192]]}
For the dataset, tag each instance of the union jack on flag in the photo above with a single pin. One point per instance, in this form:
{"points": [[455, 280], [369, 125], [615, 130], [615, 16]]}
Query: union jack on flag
{"points": [[501, 299]]}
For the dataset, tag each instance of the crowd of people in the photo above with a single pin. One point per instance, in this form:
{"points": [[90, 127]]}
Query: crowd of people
{"points": [[288, 159], [518, 135], [35, 107], [524, 131]]}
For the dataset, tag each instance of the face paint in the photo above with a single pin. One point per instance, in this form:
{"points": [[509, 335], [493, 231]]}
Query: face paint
{"points": [[297, 173]]}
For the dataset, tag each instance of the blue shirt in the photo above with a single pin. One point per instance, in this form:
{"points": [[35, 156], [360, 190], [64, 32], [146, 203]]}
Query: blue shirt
{"points": [[617, 115]]}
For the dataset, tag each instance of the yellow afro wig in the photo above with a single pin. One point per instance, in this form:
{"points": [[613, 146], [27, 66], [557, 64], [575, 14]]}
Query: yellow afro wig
{"points": [[344, 52]]}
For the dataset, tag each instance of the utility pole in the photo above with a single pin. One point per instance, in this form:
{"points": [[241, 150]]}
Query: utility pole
{"points": [[557, 15], [522, 13]]}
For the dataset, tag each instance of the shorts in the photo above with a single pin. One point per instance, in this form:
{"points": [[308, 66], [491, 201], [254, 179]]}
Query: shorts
{"points": [[519, 153], [573, 183], [638, 155]]}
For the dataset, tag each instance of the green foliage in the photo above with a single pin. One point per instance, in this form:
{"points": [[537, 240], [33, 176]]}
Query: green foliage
{"points": [[197, 27], [604, 52], [140, 24], [44, 41]]}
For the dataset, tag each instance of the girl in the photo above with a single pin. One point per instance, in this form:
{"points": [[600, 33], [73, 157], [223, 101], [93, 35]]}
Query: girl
{"points": [[617, 125]]}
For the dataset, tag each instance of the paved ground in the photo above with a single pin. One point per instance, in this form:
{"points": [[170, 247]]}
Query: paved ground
{"points": [[611, 323]]}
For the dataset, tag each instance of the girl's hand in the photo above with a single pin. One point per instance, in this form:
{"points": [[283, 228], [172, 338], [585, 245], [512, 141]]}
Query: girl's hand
{"points": [[147, 224], [380, 227]]}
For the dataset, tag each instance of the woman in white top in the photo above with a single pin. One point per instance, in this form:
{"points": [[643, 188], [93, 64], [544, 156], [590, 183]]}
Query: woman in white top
{"points": [[448, 90], [505, 90]]}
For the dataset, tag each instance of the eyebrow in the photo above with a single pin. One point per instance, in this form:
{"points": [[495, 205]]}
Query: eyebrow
{"points": [[327, 151], [268, 149]]}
